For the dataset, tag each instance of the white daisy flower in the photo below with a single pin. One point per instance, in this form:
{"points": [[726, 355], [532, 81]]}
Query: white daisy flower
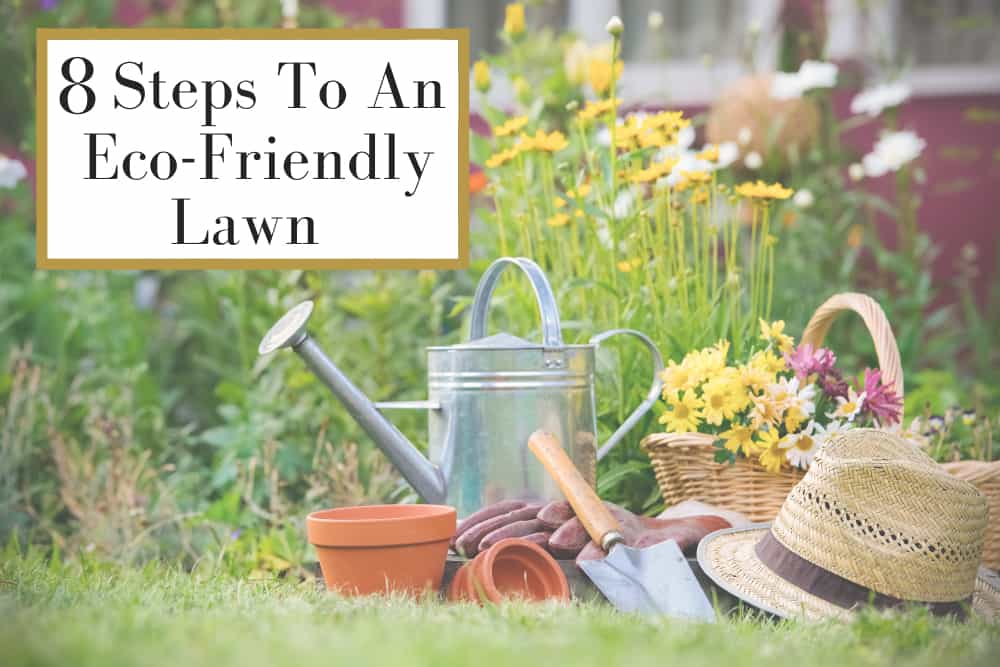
{"points": [[877, 99], [812, 74], [891, 152], [744, 136], [11, 171], [823, 434], [803, 198], [912, 434], [817, 74], [800, 447], [848, 408], [729, 152], [753, 160], [787, 394], [785, 86], [805, 400]]}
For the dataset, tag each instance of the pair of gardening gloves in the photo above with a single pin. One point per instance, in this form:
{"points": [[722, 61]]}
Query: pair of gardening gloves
{"points": [[555, 527]]}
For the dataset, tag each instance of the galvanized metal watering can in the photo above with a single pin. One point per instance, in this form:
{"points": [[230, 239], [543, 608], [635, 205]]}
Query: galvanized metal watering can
{"points": [[486, 397]]}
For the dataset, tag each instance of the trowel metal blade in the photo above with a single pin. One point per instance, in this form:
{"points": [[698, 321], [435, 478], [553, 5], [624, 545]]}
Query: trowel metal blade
{"points": [[651, 580]]}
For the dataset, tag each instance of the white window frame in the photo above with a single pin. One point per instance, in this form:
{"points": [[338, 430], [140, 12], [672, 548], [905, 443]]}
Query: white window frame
{"points": [[697, 83]]}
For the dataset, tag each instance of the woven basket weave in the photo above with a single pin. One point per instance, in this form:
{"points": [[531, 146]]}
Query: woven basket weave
{"points": [[985, 475], [685, 466]]}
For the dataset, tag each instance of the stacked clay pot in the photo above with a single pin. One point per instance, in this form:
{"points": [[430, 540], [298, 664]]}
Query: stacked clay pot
{"points": [[513, 568]]}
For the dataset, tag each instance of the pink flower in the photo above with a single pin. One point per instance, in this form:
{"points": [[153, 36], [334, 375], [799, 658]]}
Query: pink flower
{"points": [[881, 401], [805, 361]]}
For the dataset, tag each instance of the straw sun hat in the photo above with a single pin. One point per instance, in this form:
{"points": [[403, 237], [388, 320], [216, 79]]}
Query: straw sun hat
{"points": [[874, 520]]}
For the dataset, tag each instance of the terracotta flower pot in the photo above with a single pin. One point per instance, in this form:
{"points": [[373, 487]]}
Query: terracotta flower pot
{"points": [[512, 568], [382, 548], [461, 589]]}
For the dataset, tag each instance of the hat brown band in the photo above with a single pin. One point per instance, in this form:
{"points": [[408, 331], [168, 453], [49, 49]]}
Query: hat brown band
{"points": [[833, 588]]}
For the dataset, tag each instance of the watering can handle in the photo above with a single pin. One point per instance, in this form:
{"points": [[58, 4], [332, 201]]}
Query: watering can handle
{"points": [[651, 397], [551, 332]]}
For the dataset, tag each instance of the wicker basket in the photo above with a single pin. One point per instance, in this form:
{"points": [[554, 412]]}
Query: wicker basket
{"points": [[684, 463], [986, 476]]}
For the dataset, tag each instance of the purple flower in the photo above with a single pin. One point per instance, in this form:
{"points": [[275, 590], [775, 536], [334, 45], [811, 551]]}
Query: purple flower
{"points": [[47, 5], [833, 384], [881, 400], [805, 361]]}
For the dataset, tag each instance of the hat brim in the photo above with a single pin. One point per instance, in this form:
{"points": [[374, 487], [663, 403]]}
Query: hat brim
{"points": [[728, 557]]}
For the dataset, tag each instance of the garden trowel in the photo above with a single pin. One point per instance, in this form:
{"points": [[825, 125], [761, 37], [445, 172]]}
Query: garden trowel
{"points": [[652, 580]]}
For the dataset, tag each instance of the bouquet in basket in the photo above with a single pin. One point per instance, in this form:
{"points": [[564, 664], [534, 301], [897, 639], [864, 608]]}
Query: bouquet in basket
{"points": [[776, 407]]}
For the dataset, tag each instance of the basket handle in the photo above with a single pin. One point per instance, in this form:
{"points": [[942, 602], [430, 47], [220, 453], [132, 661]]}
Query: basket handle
{"points": [[878, 326]]}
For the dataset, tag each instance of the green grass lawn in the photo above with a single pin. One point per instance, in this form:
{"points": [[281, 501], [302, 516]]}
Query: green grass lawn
{"points": [[54, 614]]}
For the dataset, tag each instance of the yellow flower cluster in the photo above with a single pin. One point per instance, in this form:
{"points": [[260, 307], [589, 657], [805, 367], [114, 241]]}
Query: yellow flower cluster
{"points": [[761, 190], [691, 178], [756, 399], [656, 130], [654, 172], [551, 142], [502, 157], [510, 126], [592, 110]]}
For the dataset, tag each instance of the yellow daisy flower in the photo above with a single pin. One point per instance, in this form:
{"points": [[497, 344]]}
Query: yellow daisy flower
{"points": [[793, 419], [678, 377], [501, 158], [755, 377], [510, 127], [768, 361], [740, 438], [555, 141], [592, 110], [558, 220], [773, 454], [775, 333], [721, 400], [684, 414], [761, 190], [714, 358], [766, 411]]}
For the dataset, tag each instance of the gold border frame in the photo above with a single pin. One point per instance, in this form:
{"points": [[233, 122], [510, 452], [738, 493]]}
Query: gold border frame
{"points": [[44, 35]]}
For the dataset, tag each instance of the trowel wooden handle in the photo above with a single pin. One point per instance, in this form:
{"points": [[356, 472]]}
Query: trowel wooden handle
{"points": [[595, 517]]}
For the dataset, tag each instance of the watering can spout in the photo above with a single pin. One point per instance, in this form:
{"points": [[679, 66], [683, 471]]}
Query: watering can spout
{"points": [[290, 331]]}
